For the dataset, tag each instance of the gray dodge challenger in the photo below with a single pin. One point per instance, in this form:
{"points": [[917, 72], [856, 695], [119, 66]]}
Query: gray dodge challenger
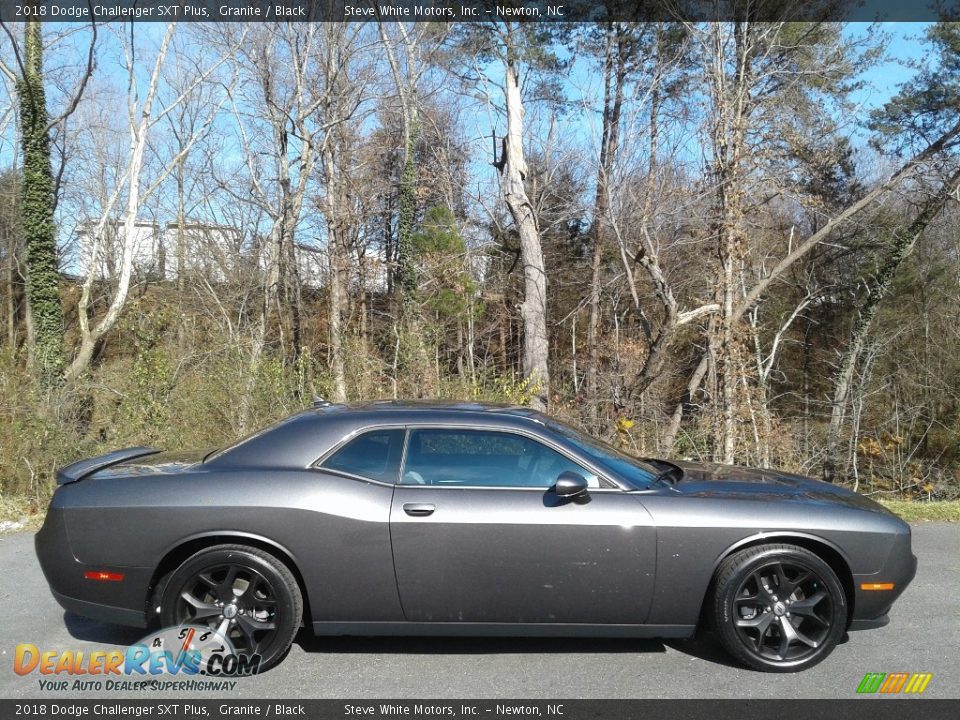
{"points": [[406, 518]]}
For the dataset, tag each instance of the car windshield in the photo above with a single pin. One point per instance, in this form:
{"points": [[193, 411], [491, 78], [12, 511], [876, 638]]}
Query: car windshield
{"points": [[640, 474]]}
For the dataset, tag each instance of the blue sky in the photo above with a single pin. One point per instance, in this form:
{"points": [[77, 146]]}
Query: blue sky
{"points": [[906, 44], [881, 82]]}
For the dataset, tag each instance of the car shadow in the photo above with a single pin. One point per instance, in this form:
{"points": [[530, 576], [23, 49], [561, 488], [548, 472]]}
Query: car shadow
{"points": [[704, 646], [81, 628], [413, 645], [85, 629]]}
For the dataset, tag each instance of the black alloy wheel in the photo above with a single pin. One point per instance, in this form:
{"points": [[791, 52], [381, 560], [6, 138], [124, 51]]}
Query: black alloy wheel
{"points": [[244, 593], [779, 608]]}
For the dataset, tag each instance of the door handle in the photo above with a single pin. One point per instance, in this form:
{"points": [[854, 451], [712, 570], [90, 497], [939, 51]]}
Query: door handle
{"points": [[419, 509]]}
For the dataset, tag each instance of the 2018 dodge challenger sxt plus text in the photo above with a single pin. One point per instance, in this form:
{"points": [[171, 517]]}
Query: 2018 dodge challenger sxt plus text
{"points": [[393, 518]]}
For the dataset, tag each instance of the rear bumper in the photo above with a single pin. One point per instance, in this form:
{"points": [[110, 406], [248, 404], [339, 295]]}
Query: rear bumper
{"points": [[103, 613], [122, 602]]}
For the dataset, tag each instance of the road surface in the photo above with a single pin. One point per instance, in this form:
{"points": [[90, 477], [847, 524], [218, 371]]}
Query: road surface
{"points": [[923, 636]]}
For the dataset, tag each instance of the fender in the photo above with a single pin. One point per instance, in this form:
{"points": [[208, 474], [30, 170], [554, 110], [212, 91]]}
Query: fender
{"points": [[239, 534], [778, 535]]}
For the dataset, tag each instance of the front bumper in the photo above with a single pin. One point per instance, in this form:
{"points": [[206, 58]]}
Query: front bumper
{"points": [[121, 602], [899, 568], [873, 624]]}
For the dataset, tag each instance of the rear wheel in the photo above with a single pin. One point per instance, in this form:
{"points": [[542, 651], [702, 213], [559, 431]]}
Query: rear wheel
{"points": [[778, 608], [244, 593]]}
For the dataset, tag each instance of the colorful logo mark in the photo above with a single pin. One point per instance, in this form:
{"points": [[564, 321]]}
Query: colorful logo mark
{"points": [[186, 650], [893, 683]]}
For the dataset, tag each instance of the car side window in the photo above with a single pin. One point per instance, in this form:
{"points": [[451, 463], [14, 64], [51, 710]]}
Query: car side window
{"points": [[375, 455], [453, 457]]}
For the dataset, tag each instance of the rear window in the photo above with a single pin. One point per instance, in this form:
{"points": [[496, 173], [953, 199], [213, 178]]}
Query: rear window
{"points": [[374, 455]]}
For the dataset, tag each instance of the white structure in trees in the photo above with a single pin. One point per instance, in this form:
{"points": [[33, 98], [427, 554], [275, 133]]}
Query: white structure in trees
{"points": [[215, 252], [145, 246]]}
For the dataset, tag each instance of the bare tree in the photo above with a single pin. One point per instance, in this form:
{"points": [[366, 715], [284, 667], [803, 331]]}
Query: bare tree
{"points": [[143, 115], [900, 246], [513, 174], [756, 73]]}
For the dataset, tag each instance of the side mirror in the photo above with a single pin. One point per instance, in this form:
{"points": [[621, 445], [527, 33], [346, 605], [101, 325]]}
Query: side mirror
{"points": [[570, 485]]}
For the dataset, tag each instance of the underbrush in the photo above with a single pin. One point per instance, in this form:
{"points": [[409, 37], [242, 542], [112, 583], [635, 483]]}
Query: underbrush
{"points": [[149, 391]]}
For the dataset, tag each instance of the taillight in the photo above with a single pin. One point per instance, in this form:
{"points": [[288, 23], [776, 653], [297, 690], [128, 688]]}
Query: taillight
{"points": [[103, 576]]}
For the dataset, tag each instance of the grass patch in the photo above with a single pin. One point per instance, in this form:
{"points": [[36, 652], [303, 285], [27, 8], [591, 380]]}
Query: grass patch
{"points": [[13, 507], [912, 511], [17, 514]]}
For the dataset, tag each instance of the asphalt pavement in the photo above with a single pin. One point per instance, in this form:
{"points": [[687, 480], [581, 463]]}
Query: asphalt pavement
{"points": [[923, 636]]}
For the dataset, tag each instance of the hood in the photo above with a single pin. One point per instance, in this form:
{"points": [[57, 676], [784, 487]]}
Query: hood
{"points": [[159, 463], [732, 481]]}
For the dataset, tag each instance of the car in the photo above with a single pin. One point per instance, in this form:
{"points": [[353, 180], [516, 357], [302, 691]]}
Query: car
{"points": [[429, 518]]}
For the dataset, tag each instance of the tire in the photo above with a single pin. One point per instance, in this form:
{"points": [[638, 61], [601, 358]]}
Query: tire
{"points": [[261, 593], [778, 608]]}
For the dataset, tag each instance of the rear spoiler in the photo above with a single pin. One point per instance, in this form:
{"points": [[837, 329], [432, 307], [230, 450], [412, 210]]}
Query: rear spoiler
{"points": [[83, 468]]}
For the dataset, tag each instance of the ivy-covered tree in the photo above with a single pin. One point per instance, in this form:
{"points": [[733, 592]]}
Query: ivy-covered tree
{"points": [[39, 229]]}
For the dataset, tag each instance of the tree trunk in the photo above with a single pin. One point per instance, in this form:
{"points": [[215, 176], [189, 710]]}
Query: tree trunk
{"points": [[181, 233], [11, 302], [614, 78], [731, 97], [14, 281], [407, 199], [292, 295], [533, 310], [338, 299], [289, 300], [407, 190], [647, 258], [336, 249], [43, 278], [181, 258], [693, 385]]}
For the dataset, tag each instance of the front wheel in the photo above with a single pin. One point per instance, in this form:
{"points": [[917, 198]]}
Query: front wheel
{"points": [[244, 593], [778, 608]]}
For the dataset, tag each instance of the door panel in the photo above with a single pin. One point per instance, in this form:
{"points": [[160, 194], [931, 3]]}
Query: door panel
{"points": [[521, 555]]}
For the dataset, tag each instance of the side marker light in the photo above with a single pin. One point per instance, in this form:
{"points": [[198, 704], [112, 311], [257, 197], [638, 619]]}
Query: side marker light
{"points": [[876, 586]]}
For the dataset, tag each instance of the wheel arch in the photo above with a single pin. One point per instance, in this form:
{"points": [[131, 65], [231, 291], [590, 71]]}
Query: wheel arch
{"points": [[822, 548], [176, 554]]}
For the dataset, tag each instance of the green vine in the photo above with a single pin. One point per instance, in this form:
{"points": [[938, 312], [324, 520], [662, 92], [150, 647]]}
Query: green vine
{"points": [[43, 277]]}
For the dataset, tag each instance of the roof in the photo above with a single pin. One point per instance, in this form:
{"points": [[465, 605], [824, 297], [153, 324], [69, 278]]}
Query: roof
{"points": [[446, 407], [294, 441]]}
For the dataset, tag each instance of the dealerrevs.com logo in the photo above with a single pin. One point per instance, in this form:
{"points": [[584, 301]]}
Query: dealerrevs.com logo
{"points": [[154, 663], [894, 683]]}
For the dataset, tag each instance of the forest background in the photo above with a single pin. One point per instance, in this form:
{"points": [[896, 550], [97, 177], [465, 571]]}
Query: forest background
{"points": [[732, 241]]}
